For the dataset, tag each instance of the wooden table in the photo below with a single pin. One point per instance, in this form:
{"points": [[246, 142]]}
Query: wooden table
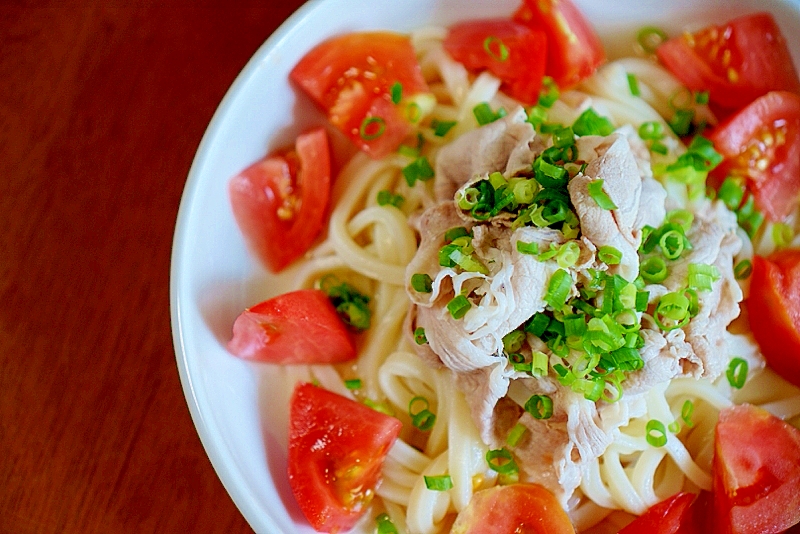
{"points": [[102, 107]]}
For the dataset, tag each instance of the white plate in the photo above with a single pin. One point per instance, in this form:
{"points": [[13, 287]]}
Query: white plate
{"points": [[238, 409]]}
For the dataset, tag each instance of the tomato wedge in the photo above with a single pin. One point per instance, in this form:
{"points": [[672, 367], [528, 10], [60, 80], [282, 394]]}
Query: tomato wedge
{"points": [[774, 311], [761, 143], [352, 79], [735, 62], [756, 472], [521, 507], [296, 327], [673, 515], [574, 50], [336, 451], [279, 202], [513, 52]]}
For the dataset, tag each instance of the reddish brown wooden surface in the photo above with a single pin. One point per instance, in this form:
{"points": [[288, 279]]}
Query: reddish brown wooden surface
{"points": [[102, 106]]}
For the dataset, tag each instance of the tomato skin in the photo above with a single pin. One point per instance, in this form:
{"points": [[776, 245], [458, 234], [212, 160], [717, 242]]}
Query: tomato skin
{"points": [[297, 327], [742, 140], [756, 472], [736, 62], [523, 68], [574, 50], [670, 516], [280, 202], [774, 311], [336, 451], [350, 78], [519, 507]]}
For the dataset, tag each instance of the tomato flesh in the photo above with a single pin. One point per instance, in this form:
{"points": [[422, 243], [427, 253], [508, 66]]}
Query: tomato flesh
{"points": [[756, 472], [736, 62], [761, 143], [521, 507], [774, 311], [280, 202], [673, 515], [574, 50], [351, 77], [513, 52], [336, 451], [296, 327]]}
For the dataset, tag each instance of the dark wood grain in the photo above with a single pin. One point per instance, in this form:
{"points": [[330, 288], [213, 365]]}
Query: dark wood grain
{"points": [[102, 106]]}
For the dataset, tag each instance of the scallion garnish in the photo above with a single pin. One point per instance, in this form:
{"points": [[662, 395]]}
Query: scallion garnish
{"points": [[496, 48], [672, 311], [501, 461], [385, 525], [421, 416], [590, 123], [701, 97], [737, 372], [633, 85], [512, 342], [396, 91], [540, 406], [782, 234], [419, 336], [650, 37], [558, 289], [351, 305], [743, 269], [440, 128], [459, 306], [656, 433], [609, 255], [372, 128], [353, 383], [419, 169], [731, 192], [651, 130], [654, 270], [438, 483], [686, 413], [515, 434], [702, 276], [484, 114], [387, 198], [549, 92], [421, 282], [595, 188]]}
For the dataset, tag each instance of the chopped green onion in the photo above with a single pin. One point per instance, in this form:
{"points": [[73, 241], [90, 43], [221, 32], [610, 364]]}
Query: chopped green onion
{"points": [[419, 169], [659, 148], [501, 461], [387, 198], [563, 138], [633, 85], [595, 188], [484, 114], [372, 128], [656, 433], [782, 234], [539, 363], [496, 48], [454, 233], [682, 218], [351, 305], [537, 115], [558, 289], [538, 324], [609, 255], [379, 407], [438, 483], [651, 130], [681, 122], [702, 276], [353, 383], [672, 243], [527, 248], [515, 435], [355, 314], [743, 269], [590, 123], [568, 254], [459, 306], [672, 311], [686, 413], [423, 418], [731, 192], [642, 300], [396, 90], [385, 525], [737, 372], [421, 282], [519, 363], [413, 112], [549, 92], [650, 37], [674, 427], [540, 406], [748, 217], [419, 336], [654, 270], [512, 342], [701, 97], [440, 128]]}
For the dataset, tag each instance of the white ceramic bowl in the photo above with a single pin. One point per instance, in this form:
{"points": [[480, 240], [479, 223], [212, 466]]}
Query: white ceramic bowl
{"points": [[240, 408]]}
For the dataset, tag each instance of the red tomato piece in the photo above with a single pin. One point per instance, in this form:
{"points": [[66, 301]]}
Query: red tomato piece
{"points": [[280, 202], [336, 451], [774, 311], [574, 50], [511, 51], [756, 472], [351, 78], [670, 516], [736, 62], [762, 144], [297, 327], [521, 507]]}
